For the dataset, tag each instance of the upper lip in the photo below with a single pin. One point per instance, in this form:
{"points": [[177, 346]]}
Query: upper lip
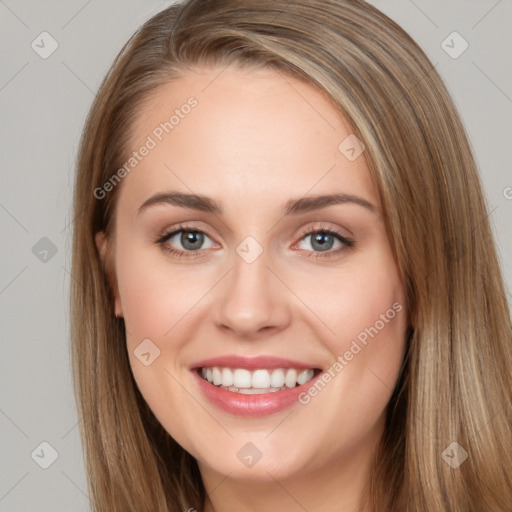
{"points": [[250, 363]]}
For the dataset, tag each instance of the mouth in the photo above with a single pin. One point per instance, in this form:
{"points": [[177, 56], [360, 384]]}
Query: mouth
{"points": [[257, 381], [253, 386]]}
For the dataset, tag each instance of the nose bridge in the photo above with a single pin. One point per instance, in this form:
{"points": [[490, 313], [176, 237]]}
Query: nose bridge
{"points": [[250, 270], [251, 300]]}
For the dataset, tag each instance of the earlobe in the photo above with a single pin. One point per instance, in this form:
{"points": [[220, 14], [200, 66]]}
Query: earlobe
{"points": [[102, 246]]}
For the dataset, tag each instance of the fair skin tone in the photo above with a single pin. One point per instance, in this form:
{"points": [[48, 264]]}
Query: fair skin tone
{"points": [[253, 142]]}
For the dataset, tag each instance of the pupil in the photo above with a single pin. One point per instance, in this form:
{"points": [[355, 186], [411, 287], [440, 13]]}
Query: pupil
{"points": [[320, 238], [193, 238]]}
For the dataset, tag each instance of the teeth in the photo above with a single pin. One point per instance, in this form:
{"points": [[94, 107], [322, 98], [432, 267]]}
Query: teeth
{"points": [[277, 378], [256, 391], [261, 379], [217, 379], [241, 378], [303, 377], [227, 377], [291, 378], [258, 381]]}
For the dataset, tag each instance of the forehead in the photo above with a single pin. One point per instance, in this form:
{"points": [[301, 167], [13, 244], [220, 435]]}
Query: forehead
{"points": [[251, 134]]}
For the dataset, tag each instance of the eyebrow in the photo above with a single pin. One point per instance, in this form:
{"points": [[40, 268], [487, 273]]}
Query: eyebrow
{"points": [[291, 207]]}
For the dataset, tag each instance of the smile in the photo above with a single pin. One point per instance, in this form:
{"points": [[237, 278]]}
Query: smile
{"points": [[253, 386], [258, 381]]}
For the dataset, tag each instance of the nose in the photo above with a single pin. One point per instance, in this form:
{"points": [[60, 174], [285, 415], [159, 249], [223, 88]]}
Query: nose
{"points": [[253, 302]]}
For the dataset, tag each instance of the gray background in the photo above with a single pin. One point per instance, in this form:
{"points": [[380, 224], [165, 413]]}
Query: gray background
{"points": [[43, 106]]}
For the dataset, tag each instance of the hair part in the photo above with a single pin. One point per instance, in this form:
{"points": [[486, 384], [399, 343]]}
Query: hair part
{"points": [[456, 378]]}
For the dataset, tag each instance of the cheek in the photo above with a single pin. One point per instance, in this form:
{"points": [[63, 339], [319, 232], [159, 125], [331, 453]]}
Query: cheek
{"points": [[153, 302], [358, 299], [147, 308], [367, 315], [364, 307], [153, 298]]}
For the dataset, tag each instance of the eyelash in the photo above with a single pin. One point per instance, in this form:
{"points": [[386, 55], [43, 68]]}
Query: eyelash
{"points": [[164, 237]]}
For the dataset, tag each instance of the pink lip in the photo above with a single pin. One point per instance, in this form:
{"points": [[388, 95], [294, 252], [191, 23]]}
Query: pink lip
{"points": [[250, 363], [251, 405]]}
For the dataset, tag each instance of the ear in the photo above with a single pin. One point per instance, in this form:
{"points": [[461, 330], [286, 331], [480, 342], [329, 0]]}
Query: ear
{"points": [[102, 246]]}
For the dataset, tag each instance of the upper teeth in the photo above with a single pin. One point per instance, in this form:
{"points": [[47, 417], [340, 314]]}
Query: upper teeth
{"points": [[261, 379]]}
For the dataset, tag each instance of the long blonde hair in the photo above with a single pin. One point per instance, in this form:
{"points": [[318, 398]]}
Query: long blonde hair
{"points": [[456, 381]]}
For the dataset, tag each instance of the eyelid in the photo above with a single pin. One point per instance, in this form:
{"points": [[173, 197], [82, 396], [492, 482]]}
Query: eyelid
{"points": [[168, 233], [321, 227]]}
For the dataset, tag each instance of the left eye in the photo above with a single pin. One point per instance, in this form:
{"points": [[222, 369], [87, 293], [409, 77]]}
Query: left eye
{"points": [[323, 240]]}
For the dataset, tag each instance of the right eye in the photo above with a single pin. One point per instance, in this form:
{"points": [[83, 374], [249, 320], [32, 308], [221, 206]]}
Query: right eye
{"points": [[190, 238]]}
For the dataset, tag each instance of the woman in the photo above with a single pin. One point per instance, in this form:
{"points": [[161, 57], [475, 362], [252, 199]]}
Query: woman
{"points": [[337, 335]]}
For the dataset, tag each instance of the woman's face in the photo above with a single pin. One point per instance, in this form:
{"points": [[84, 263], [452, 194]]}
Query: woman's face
{"points": [[256, 277]]}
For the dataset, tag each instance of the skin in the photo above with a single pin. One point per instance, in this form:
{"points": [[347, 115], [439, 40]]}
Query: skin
{"points": [[255, 140]]}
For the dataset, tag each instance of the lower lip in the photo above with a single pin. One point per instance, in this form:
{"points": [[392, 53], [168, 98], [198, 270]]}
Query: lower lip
{"points": [[252, 405]]}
